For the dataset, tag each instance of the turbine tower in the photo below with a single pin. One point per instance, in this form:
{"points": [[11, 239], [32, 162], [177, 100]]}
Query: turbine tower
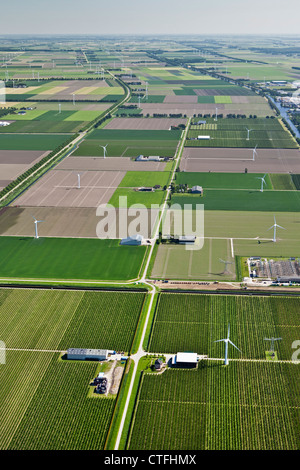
{"points": [[272, 342], [78, 179], [104, 149], [263, 181], [216, 118], [248, 133], [254, 153], [35, 223], [274, 227], [226, 264], [73, 94], [226, 341]]}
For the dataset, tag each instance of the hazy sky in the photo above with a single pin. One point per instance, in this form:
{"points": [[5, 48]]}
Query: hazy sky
{"points": [[150, 17]]}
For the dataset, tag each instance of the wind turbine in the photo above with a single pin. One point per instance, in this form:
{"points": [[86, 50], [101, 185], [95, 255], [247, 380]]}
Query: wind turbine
{"points": [[254, 153], [248, 132], [275, 226], [35, 223], [226, 264], [263, 181], [272, 342], [226, 341], [78, 179], [216, 118], [104, 149]]}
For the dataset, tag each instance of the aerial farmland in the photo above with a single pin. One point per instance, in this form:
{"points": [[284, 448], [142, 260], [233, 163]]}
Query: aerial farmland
{"points": [[185, 340]]}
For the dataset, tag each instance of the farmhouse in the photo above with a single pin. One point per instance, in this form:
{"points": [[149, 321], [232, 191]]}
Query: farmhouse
{"points": [[87, 354], [134, 240], [185, 359], [197, 190], [158, 364]]}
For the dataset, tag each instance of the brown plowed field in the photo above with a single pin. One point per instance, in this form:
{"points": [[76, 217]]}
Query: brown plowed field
{"points": [[144, 123], [59, 189], [60, 222], [108, 164], [236, 160]]}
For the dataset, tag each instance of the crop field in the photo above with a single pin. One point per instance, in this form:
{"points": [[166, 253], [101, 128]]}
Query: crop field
{"points": [[109, 164], [134, 179], [176, 262], [223, 180], [15, 162], [200, 159], [32, 141], [144, 124], [264, 133], [129, 143], [57, 390], [242, 200], [246, 406], [138, 198], [88, 259], [197, 320], [59, 188]]}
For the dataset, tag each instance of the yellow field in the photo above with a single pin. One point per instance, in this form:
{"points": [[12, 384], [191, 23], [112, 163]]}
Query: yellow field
{"points": [[85, 90], [20, 91], [53, 90]]}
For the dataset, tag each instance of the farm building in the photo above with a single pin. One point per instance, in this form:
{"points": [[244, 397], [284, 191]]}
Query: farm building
{"points": [[185, 359], [203, 137], [87, 354], [201, 122], [197, 190], [290, 279], [134, 240], [4, 123], [186, 239], [148, 189], [143, 158]]}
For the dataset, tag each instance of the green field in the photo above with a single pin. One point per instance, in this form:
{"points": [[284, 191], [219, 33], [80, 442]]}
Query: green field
{"points": [[31, 142], [173, 261], [242, 200], [224, 180], [197, 320], [230, 132], [69, 258], [129, 143], [45, 321], [134, 179], [141, 198], [245, 406]]}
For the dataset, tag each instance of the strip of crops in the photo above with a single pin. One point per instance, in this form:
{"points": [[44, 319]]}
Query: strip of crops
{"points": [[60, 416], [242, 406]]}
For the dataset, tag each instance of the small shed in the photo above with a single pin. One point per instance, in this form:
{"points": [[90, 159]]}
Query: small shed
{"points": [[134, 240], [203, 137], [186, 239]]}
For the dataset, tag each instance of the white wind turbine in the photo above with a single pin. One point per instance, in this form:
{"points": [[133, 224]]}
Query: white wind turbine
{"points": [[254, 153], [226, 341], [78, 178], [104, 149], [248, 133], [274, 227], [35, 223], [263, 181]]}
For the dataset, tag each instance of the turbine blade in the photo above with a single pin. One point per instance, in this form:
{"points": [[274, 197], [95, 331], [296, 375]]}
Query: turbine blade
{"points": [[228, 331], [218, 340], [234, 345], [280, 226]]}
